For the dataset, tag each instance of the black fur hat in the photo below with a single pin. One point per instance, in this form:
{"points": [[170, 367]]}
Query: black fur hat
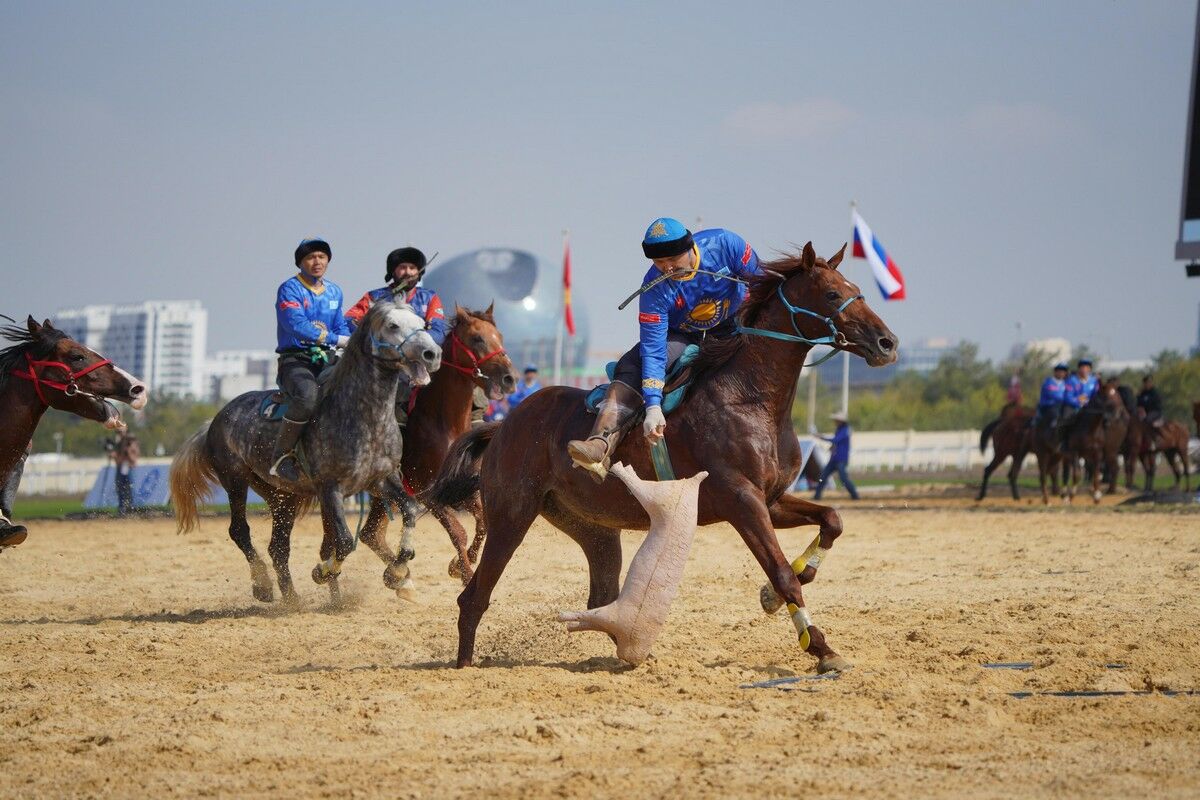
{"points": [[405, 255]]}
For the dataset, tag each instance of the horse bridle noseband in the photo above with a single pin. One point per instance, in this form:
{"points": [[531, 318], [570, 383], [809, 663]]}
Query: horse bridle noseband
{"points": [[70, 388], [472, 371], [380, 344], [835, 340]]}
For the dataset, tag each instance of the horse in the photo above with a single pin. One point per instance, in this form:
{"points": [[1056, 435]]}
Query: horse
{"points": [[441, 412], [1047, 448], [1012, 436], [52, 370], [1171, 439], [735, 423], [351, 444], [1095, 437], [1196, 415]]}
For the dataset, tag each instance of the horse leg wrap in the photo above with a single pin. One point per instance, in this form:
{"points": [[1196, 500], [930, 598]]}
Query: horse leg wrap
{"points": [[406, 552], [328, 569], [812, 556], [802, 620]]}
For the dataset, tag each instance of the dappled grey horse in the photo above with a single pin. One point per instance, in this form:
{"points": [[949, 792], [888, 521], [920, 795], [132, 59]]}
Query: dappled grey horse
{"points": [[351, 444]]}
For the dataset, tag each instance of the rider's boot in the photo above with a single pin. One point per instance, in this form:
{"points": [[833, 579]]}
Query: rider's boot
{"points": [[284, 463], [11, 534], [620, 406]]}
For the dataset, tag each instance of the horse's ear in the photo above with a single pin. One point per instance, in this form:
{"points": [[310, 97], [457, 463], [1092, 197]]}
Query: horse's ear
{"points": [[491, 305], [808, 257], [46, 324], [836, 258], [459, 311], [31, 323]]}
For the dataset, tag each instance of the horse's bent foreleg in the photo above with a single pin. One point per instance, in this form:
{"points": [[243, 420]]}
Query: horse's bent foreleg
{"points": [[374, 532], [789, 511], [239, 532], [480, 529], [747, 512]]}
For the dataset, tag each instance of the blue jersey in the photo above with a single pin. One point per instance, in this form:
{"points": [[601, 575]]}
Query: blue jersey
{"points": [[308, 315], [1079, 392], [424, 302], [1054, 393], [522, 392], [840, 455], [693, 303]]}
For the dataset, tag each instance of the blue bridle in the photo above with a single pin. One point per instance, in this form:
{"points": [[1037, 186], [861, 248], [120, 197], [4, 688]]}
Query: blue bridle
{"points": [[834, 340], [382, 345]]}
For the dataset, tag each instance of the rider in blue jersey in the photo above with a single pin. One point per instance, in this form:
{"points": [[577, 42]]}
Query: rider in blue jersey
{"points": [[1082, 385], [309, 325], [1054, 392], [680, 310]]}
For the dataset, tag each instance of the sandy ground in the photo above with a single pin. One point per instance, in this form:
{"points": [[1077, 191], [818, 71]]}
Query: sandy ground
{"points": [[136, 663]]}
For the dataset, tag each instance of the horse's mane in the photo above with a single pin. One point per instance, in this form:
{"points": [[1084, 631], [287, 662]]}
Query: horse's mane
{"points": [[714, 352], [38, 345]]}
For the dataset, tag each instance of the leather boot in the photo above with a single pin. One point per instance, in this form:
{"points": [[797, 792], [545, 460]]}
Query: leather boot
{"points": [[620, 406], [11, 534], [284, 463]]}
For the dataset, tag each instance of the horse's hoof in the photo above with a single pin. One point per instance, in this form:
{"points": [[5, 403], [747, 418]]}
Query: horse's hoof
{"points": [[456, 568], [770, 601], [264, 594], [319, 575], [395, 575], [407, 591], [833, 663]]}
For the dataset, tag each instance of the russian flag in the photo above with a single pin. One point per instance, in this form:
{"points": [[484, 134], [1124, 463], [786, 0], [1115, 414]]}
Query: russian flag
{"points": [[887, 274]]}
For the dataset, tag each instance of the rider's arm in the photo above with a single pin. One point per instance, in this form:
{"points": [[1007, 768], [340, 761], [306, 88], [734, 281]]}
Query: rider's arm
{"points": [[289, 309], [652, 320], [340, 325], [740, 256], [359, 310], [435, 320]]}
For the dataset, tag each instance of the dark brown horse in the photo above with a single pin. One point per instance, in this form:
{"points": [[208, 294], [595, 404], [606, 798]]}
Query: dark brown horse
{"points": [[1012, 436], [43, 369], [1047, 448], [1171, 440], [1095, 437], [735, 424], [473, 355]]}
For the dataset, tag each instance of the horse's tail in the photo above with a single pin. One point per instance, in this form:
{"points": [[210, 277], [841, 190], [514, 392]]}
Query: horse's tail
{"points": [[458, 480], [986, 433], [192, 480]]}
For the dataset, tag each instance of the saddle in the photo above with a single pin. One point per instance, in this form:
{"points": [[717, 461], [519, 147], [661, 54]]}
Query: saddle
{"points": [[679, 380], [275, 405]]}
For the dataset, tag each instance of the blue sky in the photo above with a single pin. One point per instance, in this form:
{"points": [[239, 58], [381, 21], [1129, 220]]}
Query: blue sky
{"points": [[1021, 161]]}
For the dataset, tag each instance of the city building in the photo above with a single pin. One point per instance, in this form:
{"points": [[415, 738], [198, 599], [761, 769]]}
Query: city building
{"points": [[528, 296], [1055, 349], [162, 342], [921, 356], [229, 373]]}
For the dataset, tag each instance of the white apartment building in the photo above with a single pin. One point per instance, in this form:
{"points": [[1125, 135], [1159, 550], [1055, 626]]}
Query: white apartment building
{"points": [[229, 373], [161, 342]]}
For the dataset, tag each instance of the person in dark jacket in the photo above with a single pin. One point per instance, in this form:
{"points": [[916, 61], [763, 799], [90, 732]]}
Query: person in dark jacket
{"points": [[839, 457], [1149, 403]]}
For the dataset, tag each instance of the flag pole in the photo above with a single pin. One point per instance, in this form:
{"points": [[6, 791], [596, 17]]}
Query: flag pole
{"points": [[562, 323], [846, 353]]}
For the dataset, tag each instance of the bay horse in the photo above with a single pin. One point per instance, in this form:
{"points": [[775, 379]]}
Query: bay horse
{"points": [[1047, 448], [1012, 437], [1095, 437], [1171, 439], [351, 444], [735, 424], [44, 369], [474, 357]]}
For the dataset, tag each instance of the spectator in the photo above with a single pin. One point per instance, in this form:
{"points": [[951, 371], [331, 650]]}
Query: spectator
{"points": [[839, 457], [126, 456], [529, 385]]}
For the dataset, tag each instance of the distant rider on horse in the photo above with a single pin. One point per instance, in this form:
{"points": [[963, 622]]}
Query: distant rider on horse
{"points": [[1080, 388], [681, 310], [310, 324], [405, 269], [1149, 403], [1053, 396]]}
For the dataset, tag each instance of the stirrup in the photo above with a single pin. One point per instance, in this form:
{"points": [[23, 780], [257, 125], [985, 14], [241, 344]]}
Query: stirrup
{"points": [[274, 471]]}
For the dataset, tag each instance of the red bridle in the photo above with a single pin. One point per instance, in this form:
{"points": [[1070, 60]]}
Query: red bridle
{"points": [[70, 388], [474, 371]]}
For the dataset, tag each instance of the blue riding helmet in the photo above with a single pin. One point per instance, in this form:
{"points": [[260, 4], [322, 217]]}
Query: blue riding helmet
{"points": [[314, 245], [1084, 362], [666, 238], [531, 368], [1061, 365]]}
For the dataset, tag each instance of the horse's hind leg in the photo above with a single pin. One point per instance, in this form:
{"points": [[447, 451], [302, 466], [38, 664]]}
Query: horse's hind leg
{"points": [[508, 522], [283, 518], [601, 547], [987, 474], [460, 565], [374, 532], [239, 532], [480, 529], [1013, 472], [337, 543]]}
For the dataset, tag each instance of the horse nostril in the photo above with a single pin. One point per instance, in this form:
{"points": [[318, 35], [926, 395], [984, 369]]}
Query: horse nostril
{"points": [[509, 381], [886, 344], [136, 390], [429, 355]]}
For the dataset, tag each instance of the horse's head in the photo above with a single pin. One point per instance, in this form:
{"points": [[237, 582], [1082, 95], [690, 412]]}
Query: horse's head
{"points": [[477, 350], [68, 376], [1111, 400], [821, 306], [396, 334]]}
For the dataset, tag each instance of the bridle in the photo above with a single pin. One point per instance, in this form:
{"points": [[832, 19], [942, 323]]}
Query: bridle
{"points": [[380, 344], [70, 388], [473, 371], [835, 340]]}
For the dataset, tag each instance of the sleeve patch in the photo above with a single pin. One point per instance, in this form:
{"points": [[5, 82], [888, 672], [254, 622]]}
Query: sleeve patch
{"points": [[746, 254], [649, 319], [286, 304], [652, 383]]}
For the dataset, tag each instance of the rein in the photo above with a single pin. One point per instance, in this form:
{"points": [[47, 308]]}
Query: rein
{"points": [[70, 388], [473, 371], [836, 339]]}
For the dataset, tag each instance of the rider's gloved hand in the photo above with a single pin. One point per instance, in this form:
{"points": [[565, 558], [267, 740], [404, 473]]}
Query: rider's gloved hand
{"points": [[655, 424], [342, 341]]}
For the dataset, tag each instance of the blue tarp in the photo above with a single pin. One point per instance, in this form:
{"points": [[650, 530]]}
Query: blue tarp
{"points": [[150, 488]]}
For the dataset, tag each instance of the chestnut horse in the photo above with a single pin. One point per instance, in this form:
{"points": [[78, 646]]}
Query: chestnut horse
{"points": [[1012, 435], [735, 424], [474, 355], [1096, 436], [1171, 439], [45, 369]]}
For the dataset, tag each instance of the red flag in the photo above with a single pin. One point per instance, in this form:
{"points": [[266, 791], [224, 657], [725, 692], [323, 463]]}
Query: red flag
{"points": [[568, 317]]}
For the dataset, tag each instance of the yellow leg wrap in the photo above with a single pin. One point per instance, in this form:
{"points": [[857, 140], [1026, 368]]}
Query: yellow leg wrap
{"points": [[802, 620], [812, 556], [329, 568]]}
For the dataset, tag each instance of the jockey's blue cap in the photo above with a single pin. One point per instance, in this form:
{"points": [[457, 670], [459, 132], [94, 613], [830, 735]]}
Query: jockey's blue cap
{"points": [[1061, 365], [531, 368], [1084, 362], [666, 238], [309, 246]]}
